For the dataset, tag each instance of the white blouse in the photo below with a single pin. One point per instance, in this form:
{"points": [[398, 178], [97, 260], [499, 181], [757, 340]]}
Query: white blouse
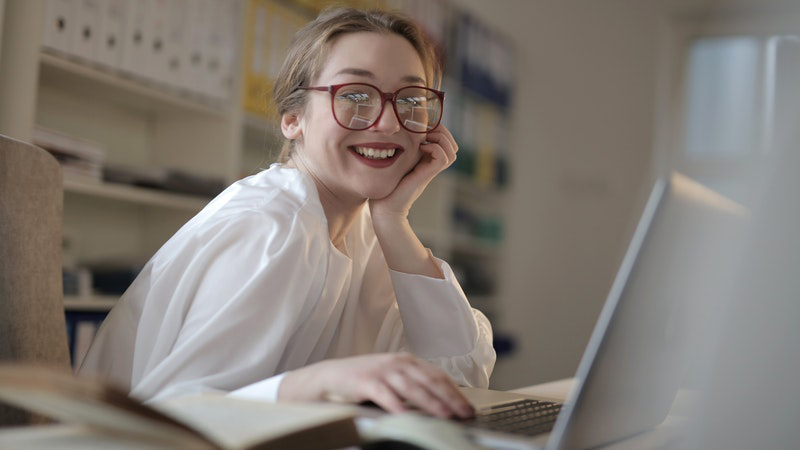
{"points": [[252, 287]]}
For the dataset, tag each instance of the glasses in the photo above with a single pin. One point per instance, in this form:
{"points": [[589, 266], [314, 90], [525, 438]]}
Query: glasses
{"points": [[358, 106]]}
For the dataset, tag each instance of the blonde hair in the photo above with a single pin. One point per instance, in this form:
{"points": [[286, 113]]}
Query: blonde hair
{"points": [[309, 48]]}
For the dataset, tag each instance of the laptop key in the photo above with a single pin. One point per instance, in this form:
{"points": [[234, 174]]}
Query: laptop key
{"points": [[528, 417]]}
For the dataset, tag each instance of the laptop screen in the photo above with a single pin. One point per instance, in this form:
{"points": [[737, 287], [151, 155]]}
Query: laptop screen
{"points": [[658, 315]]}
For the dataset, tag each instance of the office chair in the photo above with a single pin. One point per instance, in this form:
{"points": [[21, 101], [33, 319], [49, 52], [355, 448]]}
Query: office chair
{"points": [[32, 323]]}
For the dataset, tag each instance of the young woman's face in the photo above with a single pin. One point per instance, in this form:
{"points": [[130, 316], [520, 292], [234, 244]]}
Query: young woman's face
{"points": [[335, 156]]}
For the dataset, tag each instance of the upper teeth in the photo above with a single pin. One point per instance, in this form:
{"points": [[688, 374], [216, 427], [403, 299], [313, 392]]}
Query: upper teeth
{"points": [[375, 153]]}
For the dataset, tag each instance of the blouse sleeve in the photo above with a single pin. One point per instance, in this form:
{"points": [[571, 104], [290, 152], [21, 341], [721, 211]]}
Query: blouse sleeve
{"points": [[233, 304], [440, 326]]}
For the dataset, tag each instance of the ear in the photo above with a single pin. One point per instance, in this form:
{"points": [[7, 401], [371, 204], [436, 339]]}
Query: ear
{"points": [[290, 126]]}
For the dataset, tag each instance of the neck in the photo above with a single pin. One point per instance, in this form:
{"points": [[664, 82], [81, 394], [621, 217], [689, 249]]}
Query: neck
{"points": [[340, 212]]}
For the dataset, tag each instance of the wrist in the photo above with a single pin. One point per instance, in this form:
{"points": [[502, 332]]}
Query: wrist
{"points": [[383, 214], [298, 385]]}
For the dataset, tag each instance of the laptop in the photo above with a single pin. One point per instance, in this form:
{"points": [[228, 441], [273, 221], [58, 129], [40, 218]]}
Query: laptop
{"points": [[658, 317]]}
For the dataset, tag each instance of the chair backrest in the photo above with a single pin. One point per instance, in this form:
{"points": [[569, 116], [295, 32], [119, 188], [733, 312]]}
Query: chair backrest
{"points": [[32, 322]]}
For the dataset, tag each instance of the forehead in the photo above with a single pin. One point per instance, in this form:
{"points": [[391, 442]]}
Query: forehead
{"points": [[388, 57]]}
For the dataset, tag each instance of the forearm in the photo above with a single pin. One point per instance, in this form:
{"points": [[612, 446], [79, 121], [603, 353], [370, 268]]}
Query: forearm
{"points": [[402, 248]]}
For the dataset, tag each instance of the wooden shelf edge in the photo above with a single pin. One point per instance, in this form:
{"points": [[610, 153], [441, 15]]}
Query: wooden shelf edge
{"points": [[133, 194], [94, 303], [133, 87]]}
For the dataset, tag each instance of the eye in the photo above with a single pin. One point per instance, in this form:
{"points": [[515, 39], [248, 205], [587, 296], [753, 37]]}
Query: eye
{"points": [[354, 96], [411, 101]]}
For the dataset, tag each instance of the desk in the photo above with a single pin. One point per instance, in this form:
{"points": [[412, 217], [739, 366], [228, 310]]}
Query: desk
{"points": [[667, 435]]}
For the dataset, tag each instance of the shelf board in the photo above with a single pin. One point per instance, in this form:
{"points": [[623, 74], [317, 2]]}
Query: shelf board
{"points": [[99, 303], [133, 194], [79, 76]]}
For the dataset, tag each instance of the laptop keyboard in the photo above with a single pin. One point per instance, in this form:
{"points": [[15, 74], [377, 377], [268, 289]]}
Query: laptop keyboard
{"points": [[527, 417]]}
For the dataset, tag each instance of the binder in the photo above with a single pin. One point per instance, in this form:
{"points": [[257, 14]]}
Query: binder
{"points": [[59, 17], [195, 50], [84, 33], [155, 65], [134, 52], [175, 43], [230, 49], [485, 145], [110, 35], [256, 56], [252, 56], [221, 49]]}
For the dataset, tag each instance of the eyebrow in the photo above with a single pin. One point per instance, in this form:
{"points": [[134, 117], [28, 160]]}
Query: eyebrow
{"points": [[368, 74]]}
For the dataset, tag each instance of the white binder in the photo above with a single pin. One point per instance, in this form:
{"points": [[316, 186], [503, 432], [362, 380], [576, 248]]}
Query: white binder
{"points": [[195, 50], [85, 31], [177, 34], [221, 49], [134, 52], [59, 19], [155, 53], [111, 33]]}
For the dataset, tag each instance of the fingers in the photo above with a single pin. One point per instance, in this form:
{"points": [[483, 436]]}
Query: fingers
{"points": [[441, 139], [396, 382], [413, 382], [432, 390]]}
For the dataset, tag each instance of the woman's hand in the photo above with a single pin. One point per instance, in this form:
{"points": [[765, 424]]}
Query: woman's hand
{"points": [[396, 382], [438, 151], [402, 249]]}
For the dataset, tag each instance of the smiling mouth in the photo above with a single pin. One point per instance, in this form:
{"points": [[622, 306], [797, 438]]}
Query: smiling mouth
{"points": [[375, 153]]}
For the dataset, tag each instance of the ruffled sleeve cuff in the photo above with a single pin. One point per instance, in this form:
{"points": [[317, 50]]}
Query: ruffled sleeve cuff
{"points": [[437, 317]]}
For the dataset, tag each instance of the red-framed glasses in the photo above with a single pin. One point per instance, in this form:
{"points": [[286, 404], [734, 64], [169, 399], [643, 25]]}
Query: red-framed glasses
{"points": [[358, 106]]}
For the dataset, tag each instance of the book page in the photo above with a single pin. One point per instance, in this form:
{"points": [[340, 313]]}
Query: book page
{"points": [[235, 423], [62, 396], [83, 437]]}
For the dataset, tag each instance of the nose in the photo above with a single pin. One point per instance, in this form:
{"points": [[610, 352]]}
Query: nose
{"points": [[387, 122]]}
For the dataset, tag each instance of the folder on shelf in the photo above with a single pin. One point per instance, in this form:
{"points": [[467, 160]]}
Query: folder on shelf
{"points": [[155, 59], [269, 29], [252, 40], [221, 49], [230, 49], [194, 51], [134, 53], [485, 145], [110, 33], [175, 58], [84, 33], [82, 326], [59, 20]]}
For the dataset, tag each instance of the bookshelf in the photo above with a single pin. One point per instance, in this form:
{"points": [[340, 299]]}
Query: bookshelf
{"points": [[135, 195], [144, 121]]}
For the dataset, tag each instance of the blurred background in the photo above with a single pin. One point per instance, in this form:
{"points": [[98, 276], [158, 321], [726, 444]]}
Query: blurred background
{"points": [[566, 112]]}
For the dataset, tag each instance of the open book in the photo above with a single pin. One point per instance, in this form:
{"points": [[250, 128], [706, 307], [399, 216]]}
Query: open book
{"points": [[93, 415]]}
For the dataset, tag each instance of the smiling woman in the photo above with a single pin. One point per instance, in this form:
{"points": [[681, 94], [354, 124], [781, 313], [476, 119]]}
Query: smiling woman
{"points": [[306, 281]]}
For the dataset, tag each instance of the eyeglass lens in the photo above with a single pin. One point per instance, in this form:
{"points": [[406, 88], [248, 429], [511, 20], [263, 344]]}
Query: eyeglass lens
{"points": [[358, 106]]}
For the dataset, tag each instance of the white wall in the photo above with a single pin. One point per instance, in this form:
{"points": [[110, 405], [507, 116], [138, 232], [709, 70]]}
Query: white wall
{"points": [[581, 152], [582, 158]]}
